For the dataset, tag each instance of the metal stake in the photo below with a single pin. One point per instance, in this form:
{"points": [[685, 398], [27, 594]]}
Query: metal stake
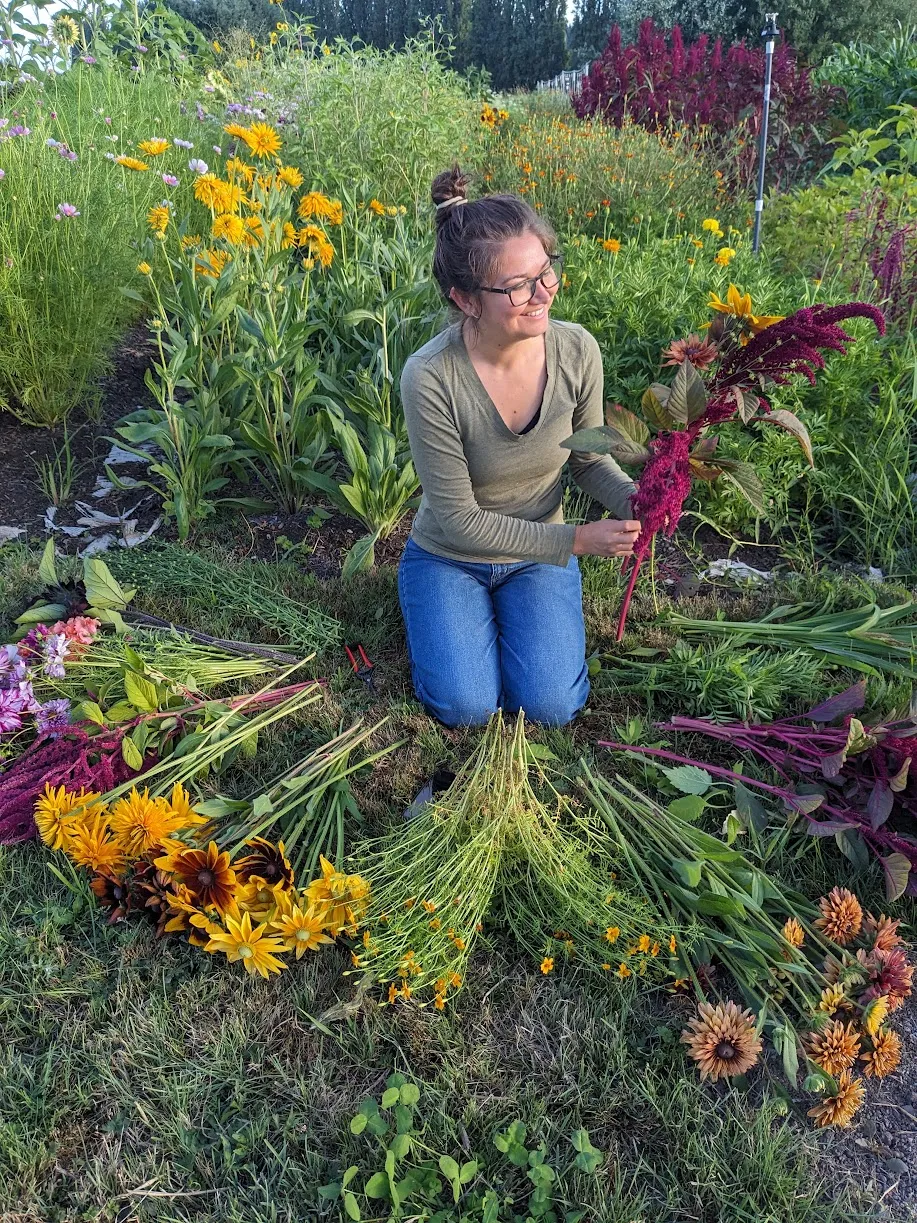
{"points": [[769, 34]]}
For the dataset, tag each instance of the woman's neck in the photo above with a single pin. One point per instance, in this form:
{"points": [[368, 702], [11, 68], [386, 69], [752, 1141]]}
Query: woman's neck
{"points": [[507, 356]]}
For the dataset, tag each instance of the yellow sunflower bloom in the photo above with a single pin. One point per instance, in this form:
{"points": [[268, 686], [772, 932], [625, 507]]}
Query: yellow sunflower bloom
{"points": [[290, 177], [261, 139], [256, 949], [158, 218], [131, 163], [301, 931], [211, 262], [139, 823], [154, 147], [58, 812], [93, 846], [229, 227]]}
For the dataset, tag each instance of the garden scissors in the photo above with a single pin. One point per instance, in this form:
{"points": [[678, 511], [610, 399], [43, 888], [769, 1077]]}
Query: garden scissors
{"points": [[364, 669]]}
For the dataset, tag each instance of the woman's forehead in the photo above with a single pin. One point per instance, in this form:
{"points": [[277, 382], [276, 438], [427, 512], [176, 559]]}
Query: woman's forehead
{"points": [[522, 257]]}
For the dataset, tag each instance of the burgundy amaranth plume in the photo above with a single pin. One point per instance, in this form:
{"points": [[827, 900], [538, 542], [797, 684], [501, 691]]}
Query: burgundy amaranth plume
{"points": [[771, 354]]}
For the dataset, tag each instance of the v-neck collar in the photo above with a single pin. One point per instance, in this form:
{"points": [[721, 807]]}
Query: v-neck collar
{"points": [[542, 410]]}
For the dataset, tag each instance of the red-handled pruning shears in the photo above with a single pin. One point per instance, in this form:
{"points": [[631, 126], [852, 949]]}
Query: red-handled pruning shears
{"points": [[363, 669]]}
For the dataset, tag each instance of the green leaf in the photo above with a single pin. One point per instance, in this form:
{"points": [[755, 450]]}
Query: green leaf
{"points": [[89, 711], [390, 1097], [688, 399], [358, 1123], [361, 557], [653, 402], [468, 1172], [377, 1186], [605, 439], [746, 480], [121, 711], [715, 905], [141, 693], [690, 807], [448, 1167], [687, 871], [400, 1145], [352, 1207], [42, 613], [689, 778], [626, 422], [47, 570], [852, 846], [749, 808], [101, 588], [132, 757], [410, 1094]]}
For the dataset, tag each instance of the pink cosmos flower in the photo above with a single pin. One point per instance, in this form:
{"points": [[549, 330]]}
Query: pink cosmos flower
{"points": [[66, 210]]}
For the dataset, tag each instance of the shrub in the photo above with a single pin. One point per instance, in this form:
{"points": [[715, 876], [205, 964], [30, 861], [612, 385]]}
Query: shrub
{"points": [[660, 83], [872, 76]]}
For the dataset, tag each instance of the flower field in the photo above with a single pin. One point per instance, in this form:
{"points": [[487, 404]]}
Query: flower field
{"points": [[275, 943]]}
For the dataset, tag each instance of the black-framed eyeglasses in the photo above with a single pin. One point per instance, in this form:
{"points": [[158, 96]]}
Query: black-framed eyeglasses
{"points": [[521, 295]]}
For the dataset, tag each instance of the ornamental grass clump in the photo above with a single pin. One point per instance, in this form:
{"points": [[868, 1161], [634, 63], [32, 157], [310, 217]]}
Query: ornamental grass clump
{"points": [[489, 850], [753, 352]]}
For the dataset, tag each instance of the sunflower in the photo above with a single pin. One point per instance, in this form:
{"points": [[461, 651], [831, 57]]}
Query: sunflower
{"points": [[314, 204], [889, 974], [237, 130], [131, 163], [885, 1054], [140, 823], [842, 916], [701, 353], [266, 862], [65, 30], [883, 932], [875, 1015], [835, 1048], [290, 177], [832, 999], [93, 846], [839, 1109], [261, 139], [158, 218], [57, 813], [235, 165], [740, 305], [722, 1040], [253, 233], [290, 236], [255, 948], [211, 263], [377, 208], [263, 901], [340, 899], [206, 873], [112, 893], [153, 147], [229, 227], [206, 187], [181, 807], [301, 931]]}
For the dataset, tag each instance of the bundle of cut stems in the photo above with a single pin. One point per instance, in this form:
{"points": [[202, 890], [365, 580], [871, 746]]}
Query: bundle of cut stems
{"points": [[869, 638], [489, 850], [305, 807]]}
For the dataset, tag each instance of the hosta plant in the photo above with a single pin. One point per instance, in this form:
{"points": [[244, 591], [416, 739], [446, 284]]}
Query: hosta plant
{"points": [[745, 353]]}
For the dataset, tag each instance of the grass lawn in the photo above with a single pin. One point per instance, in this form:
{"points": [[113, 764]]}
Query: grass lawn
{"points": [[144, 1079]]}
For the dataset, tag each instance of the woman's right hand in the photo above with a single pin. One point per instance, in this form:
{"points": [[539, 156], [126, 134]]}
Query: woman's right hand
{"points": [[608, 537]]}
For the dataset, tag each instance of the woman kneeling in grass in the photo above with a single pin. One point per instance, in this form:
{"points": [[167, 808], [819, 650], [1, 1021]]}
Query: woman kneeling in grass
{"points": [[489, 581]]}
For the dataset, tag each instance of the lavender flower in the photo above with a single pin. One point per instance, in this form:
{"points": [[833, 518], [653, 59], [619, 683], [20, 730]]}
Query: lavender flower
{"points": [[182, 144], [89, 59], [53, 717], [52, 143], [197, 165], [56, 648], [66, 211], [2, 175], [10, 712], [201, 113], [170, 180]]}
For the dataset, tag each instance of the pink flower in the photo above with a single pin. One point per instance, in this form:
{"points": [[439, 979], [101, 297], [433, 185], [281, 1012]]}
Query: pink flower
{"points": [[170, 180], [79, 630], [701, 353], [65, 210]]}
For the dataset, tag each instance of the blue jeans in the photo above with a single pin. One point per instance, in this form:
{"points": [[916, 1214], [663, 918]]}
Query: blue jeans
{"points": [[485, 636]]}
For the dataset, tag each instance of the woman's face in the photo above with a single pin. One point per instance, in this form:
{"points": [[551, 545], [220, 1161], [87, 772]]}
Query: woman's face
{"points": [[521, 258]]}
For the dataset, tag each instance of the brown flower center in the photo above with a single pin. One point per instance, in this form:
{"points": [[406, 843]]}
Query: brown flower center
{"points": [[206, 878], [725, 1051]]}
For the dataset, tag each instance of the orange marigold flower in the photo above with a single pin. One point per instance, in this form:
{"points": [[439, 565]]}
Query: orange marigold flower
{"points": [[547, 965]]}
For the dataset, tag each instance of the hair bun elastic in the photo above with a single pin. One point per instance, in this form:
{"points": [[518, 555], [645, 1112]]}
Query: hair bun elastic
{"points": [[454, 199]]}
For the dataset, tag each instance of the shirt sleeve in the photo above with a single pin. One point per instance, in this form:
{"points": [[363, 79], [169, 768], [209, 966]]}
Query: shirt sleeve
{"points": [[598, 474], [439, 458]]}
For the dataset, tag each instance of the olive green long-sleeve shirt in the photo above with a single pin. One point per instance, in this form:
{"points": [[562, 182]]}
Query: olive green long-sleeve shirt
{"points": [[491, 495]]}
